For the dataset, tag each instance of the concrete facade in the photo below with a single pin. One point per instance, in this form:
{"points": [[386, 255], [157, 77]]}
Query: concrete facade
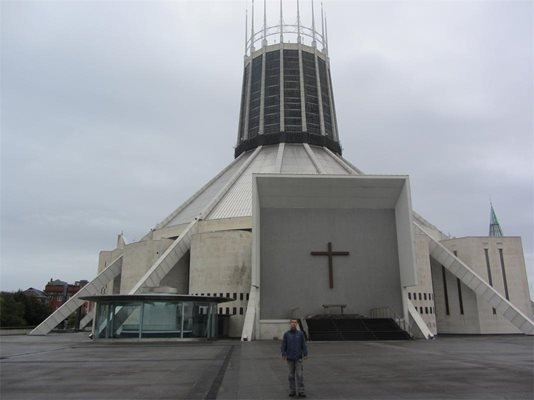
{"points": [[138, 256], [291, 278], [220, 258], [422, 295], [477, 316], [234, 239], [220, 266], [369, 217]]}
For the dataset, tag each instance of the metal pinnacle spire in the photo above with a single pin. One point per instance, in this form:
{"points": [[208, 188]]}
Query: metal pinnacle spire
{"points": [[495, 228]]}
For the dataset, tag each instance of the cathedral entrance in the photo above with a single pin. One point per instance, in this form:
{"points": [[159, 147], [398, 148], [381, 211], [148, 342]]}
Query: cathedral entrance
{"points": [[329, 244]]}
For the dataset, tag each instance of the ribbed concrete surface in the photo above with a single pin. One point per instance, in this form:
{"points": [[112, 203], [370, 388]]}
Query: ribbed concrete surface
{"points": [[237, 202]]}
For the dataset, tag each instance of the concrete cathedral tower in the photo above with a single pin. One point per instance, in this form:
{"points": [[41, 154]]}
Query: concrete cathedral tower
{"points": [[290, 229], [287, 92]]}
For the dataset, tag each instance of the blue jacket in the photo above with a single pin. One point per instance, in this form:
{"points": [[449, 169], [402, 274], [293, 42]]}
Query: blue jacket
{"points": [[294, 345]]}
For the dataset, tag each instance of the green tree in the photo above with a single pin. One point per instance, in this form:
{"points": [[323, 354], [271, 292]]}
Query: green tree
{"points": [[11, 311], [21, 309], [35, 311]]}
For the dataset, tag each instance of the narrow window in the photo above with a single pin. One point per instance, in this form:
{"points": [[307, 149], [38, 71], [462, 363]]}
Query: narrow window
{"points": [[228, 295], [234, 311], [459, 290], [240, 296], [247, 296], [420, 297], [255, 97], [240, 310], [292, 95], [445, 290], [490, 278], [430, 308], [426, 310], [424, 296], [227, 310], [504, 275], [460, 295]]}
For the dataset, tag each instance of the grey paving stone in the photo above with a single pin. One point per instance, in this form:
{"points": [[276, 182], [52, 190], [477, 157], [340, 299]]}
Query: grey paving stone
{"points": [[450, 367]]}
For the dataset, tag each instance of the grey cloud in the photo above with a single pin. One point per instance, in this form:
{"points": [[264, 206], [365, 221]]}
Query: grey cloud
{"points": [[114, 113]]}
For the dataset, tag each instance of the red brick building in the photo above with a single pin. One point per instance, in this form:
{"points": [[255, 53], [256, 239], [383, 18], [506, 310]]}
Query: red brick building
{"points": [[59, 292]]}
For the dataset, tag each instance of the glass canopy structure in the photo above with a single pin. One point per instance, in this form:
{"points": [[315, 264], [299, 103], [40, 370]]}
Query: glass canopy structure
{"points": [[155, 316]]}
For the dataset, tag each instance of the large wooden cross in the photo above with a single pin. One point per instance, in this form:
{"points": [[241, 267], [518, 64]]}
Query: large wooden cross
{"points": [[330, 255]]}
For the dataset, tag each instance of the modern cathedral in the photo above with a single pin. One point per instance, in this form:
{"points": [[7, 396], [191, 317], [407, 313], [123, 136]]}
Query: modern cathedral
{"points": [[291, 229]]}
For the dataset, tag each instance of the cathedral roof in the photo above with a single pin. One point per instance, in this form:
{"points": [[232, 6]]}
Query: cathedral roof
{"points": [[234, 183]]}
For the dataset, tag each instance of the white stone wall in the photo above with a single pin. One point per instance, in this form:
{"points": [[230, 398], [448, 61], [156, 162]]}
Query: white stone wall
{"points": [[422, 295], [273, 329], [220, 266], [138, 258], [471, 250], [105, 258], [456, 321], [178, 277]]}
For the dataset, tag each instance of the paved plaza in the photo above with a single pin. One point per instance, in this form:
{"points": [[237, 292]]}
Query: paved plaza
{"points": [[451, 367]]}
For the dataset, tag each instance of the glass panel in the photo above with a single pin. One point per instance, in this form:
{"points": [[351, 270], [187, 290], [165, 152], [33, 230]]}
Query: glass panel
{"points": [[272, 92], [200, 319], [188, 320], [292, 109], [243, 104], [156, 319], [162, 319], [126, 320], [212, 320], [101, 323], [255, 95], [325, 94], [310, 93], [117, 320]]}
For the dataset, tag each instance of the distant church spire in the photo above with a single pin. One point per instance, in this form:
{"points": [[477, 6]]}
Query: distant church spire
{"points": [[495, 228]]}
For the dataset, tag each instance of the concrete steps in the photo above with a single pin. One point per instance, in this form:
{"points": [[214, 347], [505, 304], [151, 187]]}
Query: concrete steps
{"points": [[334, 329]]}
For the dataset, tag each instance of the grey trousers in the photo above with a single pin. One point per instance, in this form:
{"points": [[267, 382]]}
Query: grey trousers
{"points": [[296, 376]]}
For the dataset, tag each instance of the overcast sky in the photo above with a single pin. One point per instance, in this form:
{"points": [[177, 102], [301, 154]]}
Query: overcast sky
{"points": [[114, 113]]}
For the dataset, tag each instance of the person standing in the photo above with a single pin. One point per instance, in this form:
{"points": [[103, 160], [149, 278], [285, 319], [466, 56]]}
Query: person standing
{"points": [[294, 349]]}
